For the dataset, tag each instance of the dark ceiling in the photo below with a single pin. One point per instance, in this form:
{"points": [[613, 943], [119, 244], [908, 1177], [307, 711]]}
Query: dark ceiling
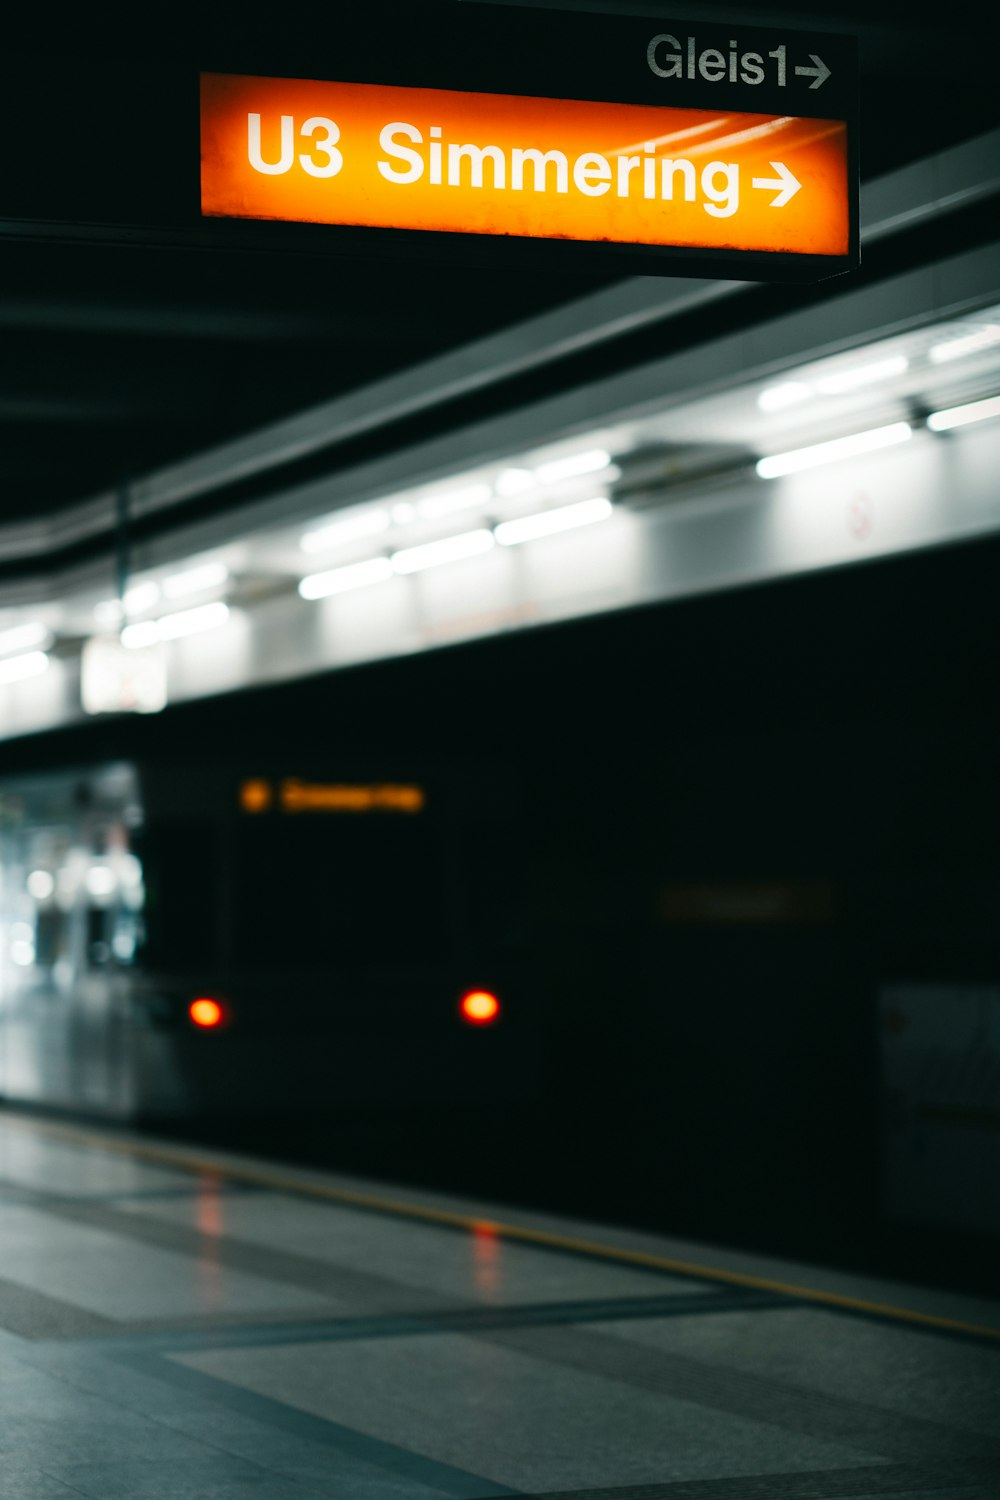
{"points": [[118, 357]]}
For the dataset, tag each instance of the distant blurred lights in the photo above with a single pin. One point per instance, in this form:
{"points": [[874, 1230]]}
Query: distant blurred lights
{"points": [[142, 597], [548, 522], [24, 637], [514, 482], [342, 580], [589, 462], [22, 944], [448, 502], [966, 343], [19, 668], [41, 884], [100, 880], [788, 393], [449, 549], [961, 416], [863, 375], [350, 528], [195, 580], [830, 452], [173, 626]]}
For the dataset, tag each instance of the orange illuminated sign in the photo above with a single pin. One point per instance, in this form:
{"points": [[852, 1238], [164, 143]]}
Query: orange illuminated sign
{"points": [[501, 164]]}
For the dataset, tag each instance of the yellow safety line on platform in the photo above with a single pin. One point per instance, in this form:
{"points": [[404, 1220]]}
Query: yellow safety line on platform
{"points": [[191, 1162]]}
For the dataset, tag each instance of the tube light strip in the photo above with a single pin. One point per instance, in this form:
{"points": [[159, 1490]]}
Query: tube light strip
{"points": [[447, 503], [340, 580], [23, 637], [826, 453], [961, 416], [172, 627], [449, 549], [862, 375], [350, 529], [18, 668], [577, 463], [195, 580], [965, 343], [547, 522]]}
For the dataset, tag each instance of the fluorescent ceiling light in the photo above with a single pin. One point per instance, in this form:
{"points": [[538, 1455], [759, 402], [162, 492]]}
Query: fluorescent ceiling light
{"points": [[195, 580], [449, 549], [577, 463], [961, 416], [172, 627], [349, 529], [547, 522], [17, 668], [23, 637], [403, 513], [340, 580], [965, 343], [142, 596], [826, 453], [514, 481], [862, 375], [788, 393], [108, 614], [447, 504]]}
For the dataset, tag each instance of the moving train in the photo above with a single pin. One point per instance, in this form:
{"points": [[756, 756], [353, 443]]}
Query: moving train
{"points": [[186, 942]]}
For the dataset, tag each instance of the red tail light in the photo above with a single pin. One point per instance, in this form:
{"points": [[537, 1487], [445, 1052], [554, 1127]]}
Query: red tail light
{"points": [[206, 1013], [479, 1008]]}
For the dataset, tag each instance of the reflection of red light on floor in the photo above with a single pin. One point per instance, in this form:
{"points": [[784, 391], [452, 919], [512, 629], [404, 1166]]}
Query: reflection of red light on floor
{"points": [[487, 1252], [479, 1008], [209, 1207], [205, 1012]]}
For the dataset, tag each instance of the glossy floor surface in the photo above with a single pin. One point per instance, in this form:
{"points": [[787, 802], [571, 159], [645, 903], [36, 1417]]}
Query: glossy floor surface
{"points": [[188, 1325]]}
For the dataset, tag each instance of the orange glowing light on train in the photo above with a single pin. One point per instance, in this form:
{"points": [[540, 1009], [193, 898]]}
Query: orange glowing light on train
{"points": [[206, 1013], [479, 1008]]}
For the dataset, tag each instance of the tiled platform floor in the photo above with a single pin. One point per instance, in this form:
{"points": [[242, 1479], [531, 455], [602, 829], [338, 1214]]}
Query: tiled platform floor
{"points": [[187, 1325]]}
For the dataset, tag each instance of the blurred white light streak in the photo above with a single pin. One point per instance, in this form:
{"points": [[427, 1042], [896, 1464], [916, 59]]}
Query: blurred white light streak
{"points": [[142, 596], [18, 668], [352, 528], [100, 880], [966, 343], [514, 482], [24, 637], [446, 504], [778, 397], [548, 522], [826, 453], [449, 549], [195, 580], [172, 627], [341, 580], [589, 462], [961, 416], [862, 375]]}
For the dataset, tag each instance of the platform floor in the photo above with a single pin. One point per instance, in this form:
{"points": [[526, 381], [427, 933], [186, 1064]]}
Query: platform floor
{"points": [[181, 1324]]}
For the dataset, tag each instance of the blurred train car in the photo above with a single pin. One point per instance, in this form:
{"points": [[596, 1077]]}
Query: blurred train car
{"points": [[203, 941]]}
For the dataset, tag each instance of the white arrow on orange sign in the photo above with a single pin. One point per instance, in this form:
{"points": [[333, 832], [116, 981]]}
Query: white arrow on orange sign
{"points": [[786, 184]]}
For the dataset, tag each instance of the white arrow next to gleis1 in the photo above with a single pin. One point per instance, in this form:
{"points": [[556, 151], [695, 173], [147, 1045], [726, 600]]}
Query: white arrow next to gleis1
{"points": [[786, 184], [819, 74]]}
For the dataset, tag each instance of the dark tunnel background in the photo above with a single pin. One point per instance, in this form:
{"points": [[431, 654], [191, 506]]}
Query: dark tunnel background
{"points": [[692, 842]]}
